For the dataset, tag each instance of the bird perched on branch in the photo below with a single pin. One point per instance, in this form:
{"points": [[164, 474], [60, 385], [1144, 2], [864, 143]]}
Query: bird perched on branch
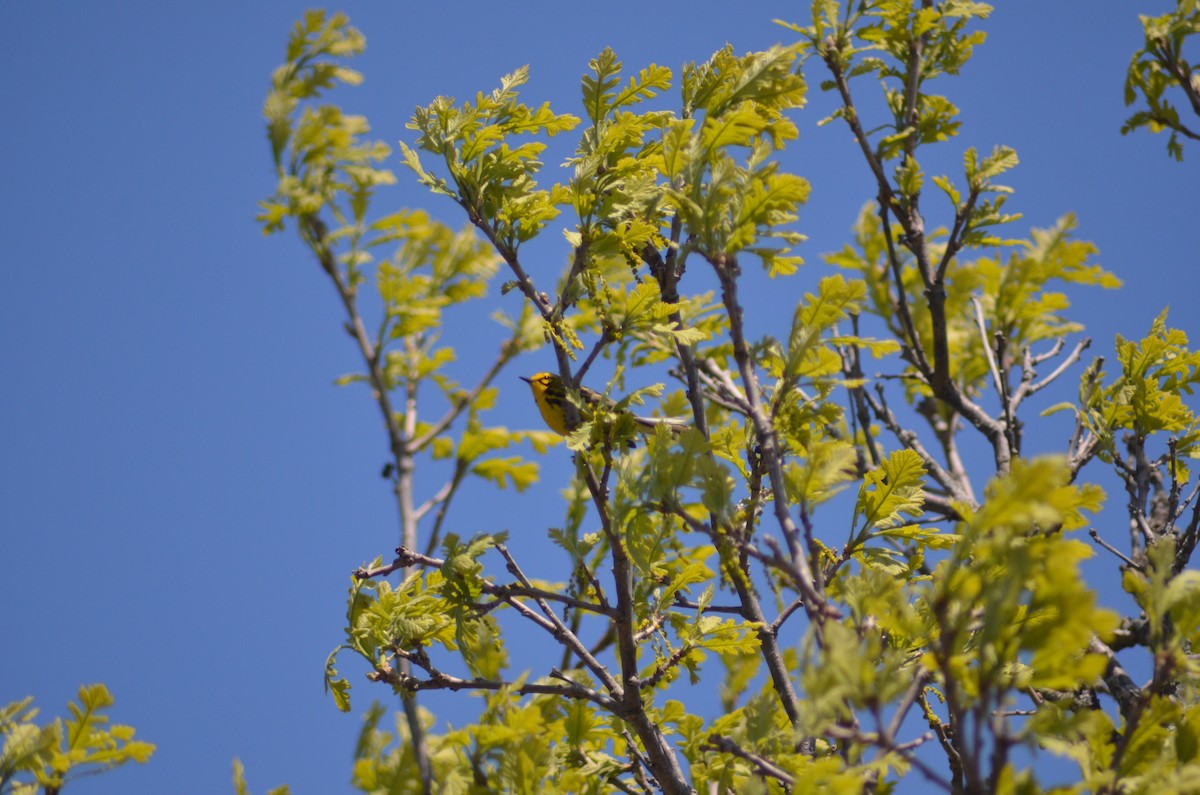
{"points": [[551, 395]]}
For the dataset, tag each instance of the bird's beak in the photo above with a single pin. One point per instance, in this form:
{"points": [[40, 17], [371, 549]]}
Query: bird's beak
{"points": [[526, 380]]}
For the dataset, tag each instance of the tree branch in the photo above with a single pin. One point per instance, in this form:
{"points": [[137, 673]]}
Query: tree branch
{"points": [[442, 681], [910, 440], [1026, 389], [726, 269], [407, 558], [1182, 78], [1120, 685], [935, 292], [508, 350], [663, 761], [316, 234], [763, 767]]}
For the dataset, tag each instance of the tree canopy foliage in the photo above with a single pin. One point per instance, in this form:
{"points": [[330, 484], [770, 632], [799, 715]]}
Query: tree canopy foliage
{"points": [[869, 602], [46, 758], [819, 584]]}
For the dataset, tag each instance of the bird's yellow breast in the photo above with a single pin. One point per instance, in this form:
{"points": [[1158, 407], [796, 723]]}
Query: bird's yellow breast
{"points": [[549, 394]]}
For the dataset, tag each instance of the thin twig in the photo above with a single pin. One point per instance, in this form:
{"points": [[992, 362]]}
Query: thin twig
{"points": [[909, 439], [726, 268], [652, 627], [777, 624], [663, 761], [1023, 392], [439, 680], [508, 350], [440, 496], [664, 667], [1055, 349], [563, 634], [918, 357], [906, 703], [1188, 538], [461, 468], [407, 558], [762, 766], [719, 378], [852, 368], [601, 343], [1096, 537], [684, 604], [1182, 78], [997, 379], [639, 763]]}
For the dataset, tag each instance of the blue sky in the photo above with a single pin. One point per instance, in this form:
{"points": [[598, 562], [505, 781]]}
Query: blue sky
{"points": [[184, 492]]}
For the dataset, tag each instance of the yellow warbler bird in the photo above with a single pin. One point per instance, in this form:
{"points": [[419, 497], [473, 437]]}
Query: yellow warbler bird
{"points": [[551, 395]]}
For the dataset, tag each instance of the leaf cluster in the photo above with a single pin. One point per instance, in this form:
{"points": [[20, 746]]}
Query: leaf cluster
{"points": [[828, 559], [318, 150], [50, 756], [491, 179], [1160, 66], [1148, 397]]}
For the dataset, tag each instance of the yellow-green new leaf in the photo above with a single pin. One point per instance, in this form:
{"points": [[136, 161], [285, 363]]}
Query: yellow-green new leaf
{"points": [[892, 490], [826, 469], [512, 469]]}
